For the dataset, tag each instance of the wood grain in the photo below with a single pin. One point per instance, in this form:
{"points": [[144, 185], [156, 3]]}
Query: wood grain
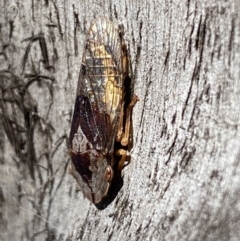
{"points": [[183, 179]]}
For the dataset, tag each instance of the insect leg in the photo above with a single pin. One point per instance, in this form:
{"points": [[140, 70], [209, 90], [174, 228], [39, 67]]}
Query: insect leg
{"points": [[126, 133], [123, 153], [120, 126]]}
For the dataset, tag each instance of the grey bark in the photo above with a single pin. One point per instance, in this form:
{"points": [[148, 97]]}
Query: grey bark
{"points": [[183, 179]]}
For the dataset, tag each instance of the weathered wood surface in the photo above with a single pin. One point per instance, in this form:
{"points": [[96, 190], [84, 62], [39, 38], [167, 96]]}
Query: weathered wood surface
{"points": [[183, 181]]}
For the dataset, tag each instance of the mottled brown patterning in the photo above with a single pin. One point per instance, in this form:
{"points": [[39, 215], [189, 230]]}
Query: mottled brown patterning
{"points": [[100, 118]]}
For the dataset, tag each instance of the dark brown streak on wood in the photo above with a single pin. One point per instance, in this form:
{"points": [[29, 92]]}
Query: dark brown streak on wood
{"points": [[143, 234], [174, 118], [138, 53], [198, 33], [42, 43], [129, 226], [168, 184], [139, 48], [154, 178], [83, 227], [126, 11], [58, 20], [231, 40], [199, 44], [43, 46], [187, 157], [166, 61], [194, 76], [115, 11], [188, 42], [170, 149], [33, 11], [167, 58], [138, 12], [217, 45], [4, 45], [110, 11], [137, 60], [139, 229], [110, 235], [196, 73], [190, 39], [188, 8], [182, 148], [140, 31], [51, 25], [53, 39], [189, 93], [58, 143], [39, 79], [11, 29], [76, 26], [191, 122], [164, 123], [218, 97], [205, 93]]}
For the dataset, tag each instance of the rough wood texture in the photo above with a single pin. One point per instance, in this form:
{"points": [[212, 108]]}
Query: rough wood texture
{"points": [[183, 181]]}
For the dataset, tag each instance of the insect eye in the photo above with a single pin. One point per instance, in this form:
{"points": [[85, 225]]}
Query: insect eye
{"points": [[108, 174]]}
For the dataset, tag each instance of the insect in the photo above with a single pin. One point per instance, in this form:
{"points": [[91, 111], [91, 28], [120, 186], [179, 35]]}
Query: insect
{"points": [[101, 116]]}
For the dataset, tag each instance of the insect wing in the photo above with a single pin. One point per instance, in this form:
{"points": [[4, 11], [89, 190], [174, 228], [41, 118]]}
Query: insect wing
{"points": [[97, 109]]}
